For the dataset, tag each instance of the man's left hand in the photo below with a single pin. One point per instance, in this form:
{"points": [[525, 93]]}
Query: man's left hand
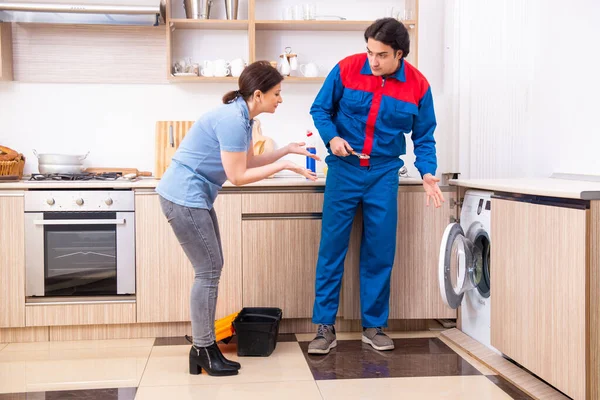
{"points": [[432, 190]]}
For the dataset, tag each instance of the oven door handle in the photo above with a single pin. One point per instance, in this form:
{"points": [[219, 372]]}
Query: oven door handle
{"points": [[120, 221]]}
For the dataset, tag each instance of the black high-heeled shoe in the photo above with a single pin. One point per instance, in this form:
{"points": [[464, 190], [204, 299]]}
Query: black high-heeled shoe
{"points": [[207, 358], [234, 364]]}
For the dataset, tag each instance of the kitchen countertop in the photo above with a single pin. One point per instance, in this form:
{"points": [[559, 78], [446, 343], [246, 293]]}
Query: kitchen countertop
{"points": [[150, 183], [568, 187]]}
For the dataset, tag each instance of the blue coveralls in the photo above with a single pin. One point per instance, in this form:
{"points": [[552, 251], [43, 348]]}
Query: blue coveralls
{"points": [[372, 114]]}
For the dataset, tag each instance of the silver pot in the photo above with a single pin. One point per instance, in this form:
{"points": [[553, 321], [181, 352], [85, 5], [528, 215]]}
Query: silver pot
{"points": [[231, 9], [197, 9], [60, 168], [60, 159]]}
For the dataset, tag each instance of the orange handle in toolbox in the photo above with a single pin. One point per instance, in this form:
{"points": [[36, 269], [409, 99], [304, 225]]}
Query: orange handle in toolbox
{"points": [[224, 327]]}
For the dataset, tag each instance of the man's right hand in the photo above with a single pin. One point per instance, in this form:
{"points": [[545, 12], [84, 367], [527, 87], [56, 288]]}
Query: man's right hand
{"points": [[340, 147]]}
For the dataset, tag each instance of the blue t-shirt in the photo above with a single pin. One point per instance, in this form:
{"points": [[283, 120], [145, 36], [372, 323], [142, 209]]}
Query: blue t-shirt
{"points": [[196, 172]]}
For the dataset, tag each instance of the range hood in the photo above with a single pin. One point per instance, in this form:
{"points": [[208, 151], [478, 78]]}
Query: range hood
{"points": [[122, 14]]}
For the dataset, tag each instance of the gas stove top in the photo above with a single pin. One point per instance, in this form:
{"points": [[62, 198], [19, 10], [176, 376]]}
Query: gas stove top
{"points": [[86, 176]]}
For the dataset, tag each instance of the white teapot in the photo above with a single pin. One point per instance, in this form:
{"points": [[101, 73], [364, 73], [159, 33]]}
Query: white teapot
{"points": [[309, 70]]}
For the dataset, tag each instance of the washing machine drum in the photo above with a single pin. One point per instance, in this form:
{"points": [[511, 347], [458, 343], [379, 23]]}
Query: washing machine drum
{"points": [[464, 263]]}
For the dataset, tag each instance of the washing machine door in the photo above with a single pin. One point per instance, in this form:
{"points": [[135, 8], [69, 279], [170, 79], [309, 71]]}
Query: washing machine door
{"points": [[481, 262], [459, 258]]}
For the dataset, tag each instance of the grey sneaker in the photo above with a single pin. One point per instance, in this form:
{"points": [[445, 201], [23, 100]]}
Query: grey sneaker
{"points": [[324, 341], [376, 338]]}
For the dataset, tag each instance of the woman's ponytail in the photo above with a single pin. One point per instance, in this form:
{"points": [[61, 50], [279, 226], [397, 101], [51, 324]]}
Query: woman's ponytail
{"points": [[231, 96]]}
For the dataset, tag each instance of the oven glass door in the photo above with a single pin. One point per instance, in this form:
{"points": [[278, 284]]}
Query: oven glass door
{"points": [[80, 253]]}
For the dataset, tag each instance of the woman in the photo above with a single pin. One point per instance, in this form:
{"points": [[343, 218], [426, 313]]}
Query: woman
{"points": [[218, 147]]}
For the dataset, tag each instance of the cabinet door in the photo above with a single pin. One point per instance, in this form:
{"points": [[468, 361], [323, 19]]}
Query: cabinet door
{"points": [[539, 290], [12, 261], [6, 69], [280, 257], [415, 292], [164, 273]]}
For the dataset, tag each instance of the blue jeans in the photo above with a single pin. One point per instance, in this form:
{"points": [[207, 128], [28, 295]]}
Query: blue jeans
{"points": [[197, 231], [376, 189]]}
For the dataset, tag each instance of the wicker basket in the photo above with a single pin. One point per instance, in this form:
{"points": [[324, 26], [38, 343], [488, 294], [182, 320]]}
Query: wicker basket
{"points": [[14, 167]]}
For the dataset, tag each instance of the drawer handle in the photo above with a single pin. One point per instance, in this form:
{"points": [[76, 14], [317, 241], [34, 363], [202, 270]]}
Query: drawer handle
{"points": [[255, 217], [79, 222]]}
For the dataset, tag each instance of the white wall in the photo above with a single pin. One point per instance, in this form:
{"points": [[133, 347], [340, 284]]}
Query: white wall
{"points": [[567, 86], [116, 122], [526, 87]]}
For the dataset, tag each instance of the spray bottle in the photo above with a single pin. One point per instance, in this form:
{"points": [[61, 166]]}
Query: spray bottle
{"points": [[311, 164]]}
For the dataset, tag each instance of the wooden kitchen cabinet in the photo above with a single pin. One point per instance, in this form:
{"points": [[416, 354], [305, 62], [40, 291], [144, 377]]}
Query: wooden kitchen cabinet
{"points": [[165, 275], [545, 308], [6, 63], [280, 258], [280, 255], [12, 260], [281, 234], [415, 292]]}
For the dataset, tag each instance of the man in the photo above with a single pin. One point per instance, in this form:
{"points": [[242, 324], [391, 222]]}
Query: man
{"points": [[366, 105]]}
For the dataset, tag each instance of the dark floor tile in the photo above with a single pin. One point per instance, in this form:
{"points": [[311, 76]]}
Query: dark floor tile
{"points": [[88, 394], [181, 340], [352, 359], [286, 337], [171, 341], [509, 388]]}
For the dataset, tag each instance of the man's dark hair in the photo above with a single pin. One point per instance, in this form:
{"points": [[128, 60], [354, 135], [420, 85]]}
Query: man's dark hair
{"points": [[390, 31]]}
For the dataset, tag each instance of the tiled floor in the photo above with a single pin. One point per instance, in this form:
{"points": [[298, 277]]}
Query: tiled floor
{"points": [[423, 366]]}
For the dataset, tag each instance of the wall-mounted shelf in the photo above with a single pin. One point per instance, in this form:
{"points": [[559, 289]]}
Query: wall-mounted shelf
{"points": [[225, 79], [216, 24], [202, 79], [316, 25], [303, 79]]}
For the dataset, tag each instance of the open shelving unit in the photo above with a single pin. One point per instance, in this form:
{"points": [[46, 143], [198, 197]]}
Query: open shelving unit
{"points": [[252, 26], [135, 54]]}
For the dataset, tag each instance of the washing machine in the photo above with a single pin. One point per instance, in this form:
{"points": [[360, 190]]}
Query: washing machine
{"points": [[464, 266]]}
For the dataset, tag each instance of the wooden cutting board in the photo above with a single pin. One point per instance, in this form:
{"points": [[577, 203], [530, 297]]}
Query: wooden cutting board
{"points": [[124, 171], [164, 146], [262, 144]]}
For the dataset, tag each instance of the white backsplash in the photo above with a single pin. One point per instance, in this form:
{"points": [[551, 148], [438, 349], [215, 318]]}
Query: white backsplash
{"points": [[116, 123]]}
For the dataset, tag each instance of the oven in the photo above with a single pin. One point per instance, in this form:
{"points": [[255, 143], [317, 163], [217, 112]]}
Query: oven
{"points": [[79, 243]]}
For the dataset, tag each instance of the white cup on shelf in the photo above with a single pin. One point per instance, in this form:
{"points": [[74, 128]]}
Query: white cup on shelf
{"points": [[208, 69], [221, 68], [238, 62], [222, 71], [237, 66]]}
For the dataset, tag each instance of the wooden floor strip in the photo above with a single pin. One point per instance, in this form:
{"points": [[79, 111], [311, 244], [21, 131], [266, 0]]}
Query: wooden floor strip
{"points": [[515, 375]]}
